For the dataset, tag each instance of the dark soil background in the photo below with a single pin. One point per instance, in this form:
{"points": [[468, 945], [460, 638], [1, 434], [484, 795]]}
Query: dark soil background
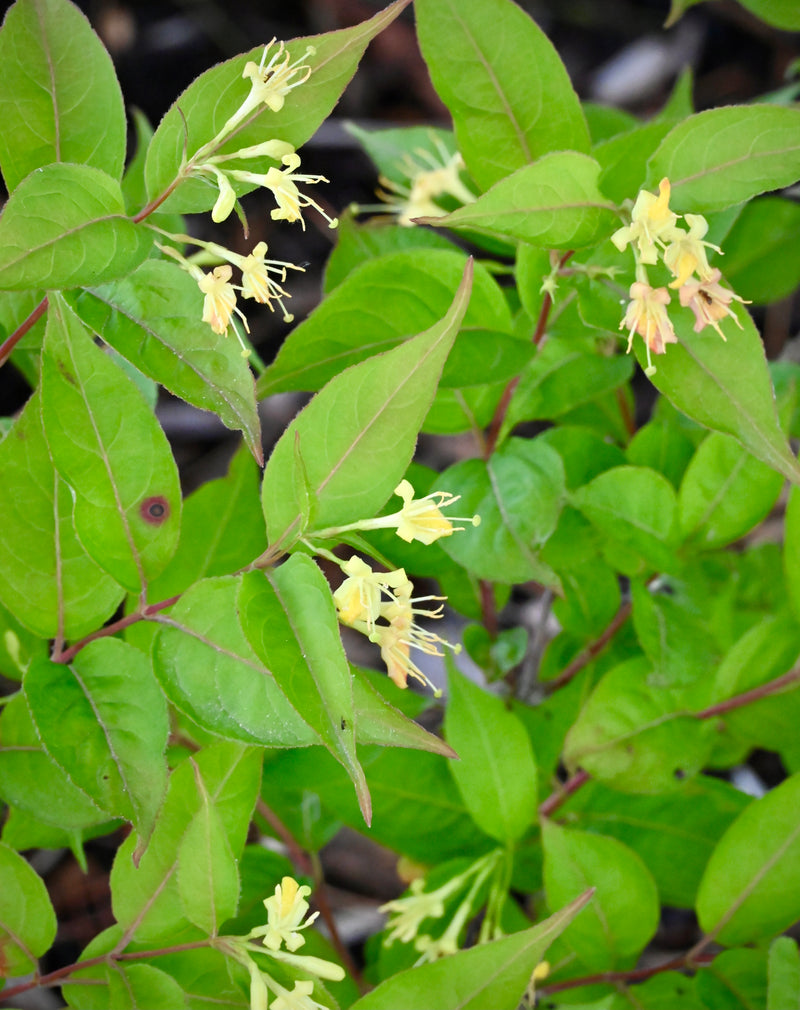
{"points": [[616, 52]]}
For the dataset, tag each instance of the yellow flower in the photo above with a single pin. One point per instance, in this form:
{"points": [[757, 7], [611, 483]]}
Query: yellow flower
{"points": [[360, 597], [427, 180], [271, 84], [286, 910], [651, 218], [298, 999], [257, 283], [421, 518], [226, 199], [402, 633], [283, 185], [409, 912], [646, 315], [686, 253], [709, 301], [220, 301]]}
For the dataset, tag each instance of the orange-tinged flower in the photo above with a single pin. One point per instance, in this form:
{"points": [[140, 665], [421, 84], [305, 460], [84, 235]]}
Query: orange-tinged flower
{"points": [[646, 315], [709, 301]]}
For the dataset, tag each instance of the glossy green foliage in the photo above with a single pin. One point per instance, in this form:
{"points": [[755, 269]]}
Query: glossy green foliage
{"points": [[600, 582]]}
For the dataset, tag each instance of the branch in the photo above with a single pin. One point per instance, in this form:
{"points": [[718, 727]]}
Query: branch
{"points": [[635, 975], [11, 342], [585, 656], [571, 786], [111, 629], [508, 392], [754, 694]]}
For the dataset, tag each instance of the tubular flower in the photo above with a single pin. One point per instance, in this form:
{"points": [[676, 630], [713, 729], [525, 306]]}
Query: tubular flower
{"points": [[283, 185], [286, 910], [298, 999], [409, 912], [360, 597], [647, 315], [220, 301], [397, 638], [686, 252], [271, 83], [421, 518], [709, 301], [427, 180], [651, 219], [257, 283]]}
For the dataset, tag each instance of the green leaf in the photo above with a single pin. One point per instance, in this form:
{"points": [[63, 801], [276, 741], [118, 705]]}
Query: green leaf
{"points": [[605, 121], [563, 375], [208, 876], [623, 159], [623, 913], [490, 975], [210, 671], [725, 492], [781, 13], [396, 152], [518, 494], [735, 980], [153, 318], [377, 403], [65, 225], [103, 718], [379, 722], [762, 259], [127, 504], [360, 243], [725, 386], [751, 888], [636, 508], [497, 781], [27, 919], [46, 579], [59, 96], [374, 308], [674, 833], [635, 736], [290, 620], [554, 203], [661, 446], [32, 781], [146, 895], [124, 986], [722, 157], [503, 82], [783, 975], [200, 112], [222, 530]]}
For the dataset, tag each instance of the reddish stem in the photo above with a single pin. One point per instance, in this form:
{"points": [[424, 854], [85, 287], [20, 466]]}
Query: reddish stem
{"points": [[111, 629], [505, 400], [635, 975], [754, 694], [488, 608], [571, 786], [585, 656], [11, 342]]}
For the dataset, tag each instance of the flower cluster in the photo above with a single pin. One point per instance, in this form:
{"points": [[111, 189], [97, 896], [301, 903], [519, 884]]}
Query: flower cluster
{"points": [[408, 913], [286, 909], [270, 83], [429, 177], [381, 605], [654, 236], [261, 281]]}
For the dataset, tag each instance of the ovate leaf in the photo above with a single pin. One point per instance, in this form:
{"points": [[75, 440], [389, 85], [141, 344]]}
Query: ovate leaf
{"points": [[554, 203], [290, 620], [490, 975], [371, 414], [722, 157], [725, 386], [103, 718], [27, 919], [623, 913], [65, 225], [751, 888], [503, 82], [153, 318], [111, 450], [498, 783], [59, 96], [46, 578]]}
